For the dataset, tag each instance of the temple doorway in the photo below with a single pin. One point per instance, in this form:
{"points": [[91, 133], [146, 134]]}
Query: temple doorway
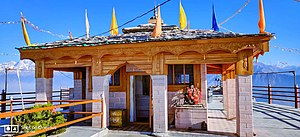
{"points": [[140, 99]]}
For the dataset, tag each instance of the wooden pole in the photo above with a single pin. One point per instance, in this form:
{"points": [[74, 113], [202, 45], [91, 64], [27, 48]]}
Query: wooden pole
{"points": [[102, 118], [11, 111]]}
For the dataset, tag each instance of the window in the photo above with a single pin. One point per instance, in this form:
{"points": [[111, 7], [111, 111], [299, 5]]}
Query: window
{"points": [[115, 79], [180, 74]]}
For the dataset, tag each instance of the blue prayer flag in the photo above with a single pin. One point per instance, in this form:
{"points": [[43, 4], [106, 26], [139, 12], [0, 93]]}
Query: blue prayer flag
{"points": [[215, 26]]}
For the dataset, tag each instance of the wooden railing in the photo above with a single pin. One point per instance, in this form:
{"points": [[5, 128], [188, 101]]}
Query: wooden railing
{"points": [[12, 113], [276, 93], [62, 94]]}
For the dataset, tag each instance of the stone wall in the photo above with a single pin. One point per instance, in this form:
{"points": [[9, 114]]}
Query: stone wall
{"points": [[190, 117], [142, 101], [43, 87], [117, 100]]}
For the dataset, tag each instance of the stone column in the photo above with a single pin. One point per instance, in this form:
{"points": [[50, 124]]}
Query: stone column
{"points": [[160, 106], [225, 95], [244, 113], [100, 90], [43, 87], [204, 84], [231, 99]]}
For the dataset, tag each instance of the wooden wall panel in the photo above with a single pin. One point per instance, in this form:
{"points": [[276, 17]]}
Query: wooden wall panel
{"points": [[111, 63], [201, 59]]}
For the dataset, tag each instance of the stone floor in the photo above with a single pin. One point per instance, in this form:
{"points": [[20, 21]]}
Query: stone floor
{"points": [[269, 121], [276, 120], [217, 117]]}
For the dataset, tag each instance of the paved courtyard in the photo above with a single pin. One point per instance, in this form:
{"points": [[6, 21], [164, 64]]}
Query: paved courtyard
{"points": [[269, 121]]}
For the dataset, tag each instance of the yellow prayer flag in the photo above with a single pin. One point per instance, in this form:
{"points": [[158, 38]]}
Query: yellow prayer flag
{"points": [[157, 29], [87, 25], [114, 25], [182, 17], [261, 22], [25, 34]]}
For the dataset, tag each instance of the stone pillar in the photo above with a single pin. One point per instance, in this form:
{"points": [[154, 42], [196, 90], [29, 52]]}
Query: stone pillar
{"points": [[244, 113], [160, 106], [43, 87], [225, 95], [231, 99], [204, 84], [100, 90]]}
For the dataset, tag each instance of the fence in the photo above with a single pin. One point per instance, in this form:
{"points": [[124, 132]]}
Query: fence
{"points": [[62, 94], [12, 113], [278, 95]]}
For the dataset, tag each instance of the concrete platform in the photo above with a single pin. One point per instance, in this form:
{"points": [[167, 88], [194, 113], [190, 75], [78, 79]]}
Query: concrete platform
{"points": [[269, 121], [83, 131]]}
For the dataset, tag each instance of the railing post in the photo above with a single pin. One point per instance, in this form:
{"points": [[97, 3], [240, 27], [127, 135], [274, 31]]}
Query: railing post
{"points": [[296, 96], [60, 96], [102, 118], [269, 94], [11, 109], [3, 98]]}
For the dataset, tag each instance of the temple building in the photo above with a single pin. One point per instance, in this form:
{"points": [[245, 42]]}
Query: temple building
{"points": [[140, 74]]}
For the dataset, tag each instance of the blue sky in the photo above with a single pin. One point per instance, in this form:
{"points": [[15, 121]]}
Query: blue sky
{"points": [[61, 16]]}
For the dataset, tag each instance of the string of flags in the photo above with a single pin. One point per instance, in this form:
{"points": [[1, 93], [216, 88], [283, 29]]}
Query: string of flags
{"points": [[114, 26], [10, 22], [234, 14], [291, 50], [45, 31], [9, 54]]}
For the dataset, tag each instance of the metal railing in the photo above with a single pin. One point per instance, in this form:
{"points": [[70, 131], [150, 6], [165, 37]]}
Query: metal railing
{"points": [[276, 93], [12, 113], [62, 94]]}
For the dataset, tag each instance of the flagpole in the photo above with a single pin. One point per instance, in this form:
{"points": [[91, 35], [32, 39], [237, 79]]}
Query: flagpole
{"points": [[20, 87]]}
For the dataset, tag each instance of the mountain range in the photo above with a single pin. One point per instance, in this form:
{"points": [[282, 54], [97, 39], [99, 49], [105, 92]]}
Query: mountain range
{"points": [[63, 79]]}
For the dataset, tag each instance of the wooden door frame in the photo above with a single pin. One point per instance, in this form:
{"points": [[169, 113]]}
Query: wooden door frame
{"points": [[128, 74]]}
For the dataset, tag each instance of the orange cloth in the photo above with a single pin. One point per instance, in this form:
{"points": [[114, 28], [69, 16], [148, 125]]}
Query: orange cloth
{"points": [[261, 22], [157, 29]]}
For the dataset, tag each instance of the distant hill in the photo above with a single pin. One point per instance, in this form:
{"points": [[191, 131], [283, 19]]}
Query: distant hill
{"points": [[284, 79], [27, 77], [62, 79]]}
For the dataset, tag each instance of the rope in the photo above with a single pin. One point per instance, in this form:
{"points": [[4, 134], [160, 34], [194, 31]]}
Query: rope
{"points": [[45, 31], [9, 54], [10, 22], [234, 14], [65, 75]]}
